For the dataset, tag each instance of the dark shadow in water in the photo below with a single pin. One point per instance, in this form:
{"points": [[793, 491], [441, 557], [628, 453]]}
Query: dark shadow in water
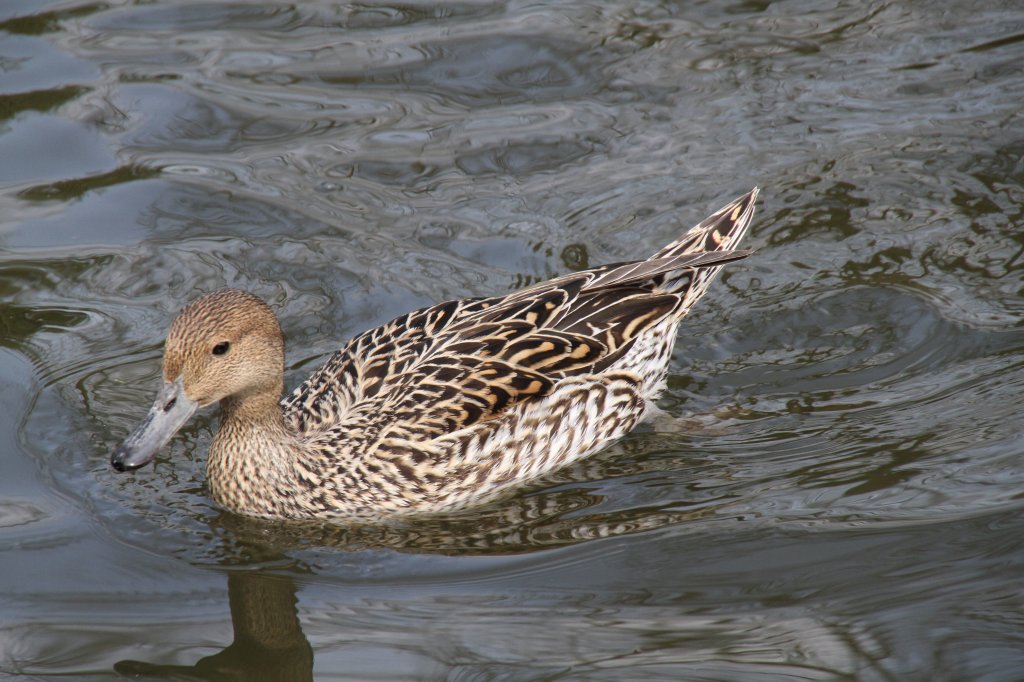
{"points": [[268, 645]]}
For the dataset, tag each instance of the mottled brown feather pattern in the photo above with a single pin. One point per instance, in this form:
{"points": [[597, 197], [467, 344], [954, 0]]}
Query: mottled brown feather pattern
{"points": [[454, 404]]}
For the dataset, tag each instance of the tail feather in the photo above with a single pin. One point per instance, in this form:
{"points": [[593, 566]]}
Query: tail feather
{"points": [[721, 232], [651, 269]]}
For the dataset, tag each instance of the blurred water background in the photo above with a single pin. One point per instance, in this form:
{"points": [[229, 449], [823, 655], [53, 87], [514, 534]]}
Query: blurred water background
{"points": [[837, 493]]}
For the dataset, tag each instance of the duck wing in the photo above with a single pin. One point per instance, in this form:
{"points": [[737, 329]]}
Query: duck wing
{"points": [[473, 363], [448, 366], [321, 400]]}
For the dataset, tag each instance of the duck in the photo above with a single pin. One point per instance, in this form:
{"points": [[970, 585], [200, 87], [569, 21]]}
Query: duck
{"points": [[441, 409]]}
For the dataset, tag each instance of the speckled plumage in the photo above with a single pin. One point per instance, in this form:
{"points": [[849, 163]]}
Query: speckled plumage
{"points": [[444, 407]]}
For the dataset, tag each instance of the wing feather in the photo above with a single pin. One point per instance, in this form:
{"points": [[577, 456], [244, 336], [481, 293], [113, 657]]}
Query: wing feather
{"points": [[447, 367]]}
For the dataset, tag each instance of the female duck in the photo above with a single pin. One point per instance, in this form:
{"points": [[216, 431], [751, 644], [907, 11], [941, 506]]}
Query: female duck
{"points": [[442, 408]]}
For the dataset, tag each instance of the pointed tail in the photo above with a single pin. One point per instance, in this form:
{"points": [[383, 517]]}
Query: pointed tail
{"points": [[721, 231]]}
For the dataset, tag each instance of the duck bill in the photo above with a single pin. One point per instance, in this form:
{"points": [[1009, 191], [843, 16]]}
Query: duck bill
{"points": [[168, 414]]}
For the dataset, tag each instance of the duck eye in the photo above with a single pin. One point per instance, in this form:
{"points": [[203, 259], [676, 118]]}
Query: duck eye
{"points": [[221, 348]]}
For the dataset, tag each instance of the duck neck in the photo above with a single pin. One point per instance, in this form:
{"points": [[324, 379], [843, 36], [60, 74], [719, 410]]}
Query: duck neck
{"points": [[253, 454], [253, 411]]}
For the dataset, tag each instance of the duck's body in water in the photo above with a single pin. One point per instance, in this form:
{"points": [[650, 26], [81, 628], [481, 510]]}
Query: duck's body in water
{"points": [[442, 408]]}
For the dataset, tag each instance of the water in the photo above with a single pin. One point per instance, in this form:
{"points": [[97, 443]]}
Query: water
{"points": [[837, 491]]}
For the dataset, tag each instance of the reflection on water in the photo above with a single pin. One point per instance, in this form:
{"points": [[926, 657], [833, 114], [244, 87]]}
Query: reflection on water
{"points": [[833, 489], [268, 641]]}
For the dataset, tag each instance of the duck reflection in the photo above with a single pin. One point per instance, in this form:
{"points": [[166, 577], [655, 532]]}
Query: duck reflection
{"points": [[268, 640], [269, 643]]}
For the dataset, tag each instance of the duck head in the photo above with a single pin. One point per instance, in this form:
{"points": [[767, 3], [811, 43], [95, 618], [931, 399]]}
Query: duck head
{"points": [[224, 346]]}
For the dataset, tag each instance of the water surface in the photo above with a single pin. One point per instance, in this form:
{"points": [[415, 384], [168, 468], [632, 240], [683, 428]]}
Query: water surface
{"points": [[835, 491]]}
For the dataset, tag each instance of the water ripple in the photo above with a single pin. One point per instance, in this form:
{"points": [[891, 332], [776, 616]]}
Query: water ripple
{"points": [[837, 466]]}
